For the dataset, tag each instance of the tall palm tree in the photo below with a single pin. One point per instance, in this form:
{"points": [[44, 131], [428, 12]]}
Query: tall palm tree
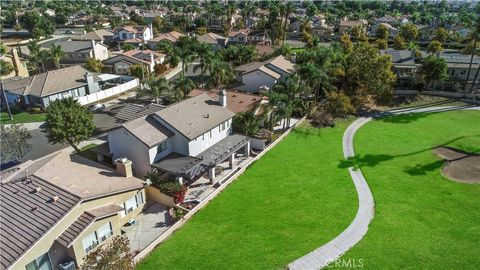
{"points": [[157, 86], [475, 35], [275, 101], [291, 88], [183, 87], [288, 9], [186, 55], [56, 53], [205, 54]]}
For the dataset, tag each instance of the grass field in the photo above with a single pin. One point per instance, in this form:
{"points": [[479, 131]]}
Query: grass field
{"points": [[288, 203], [21, 117], [422, 220]]}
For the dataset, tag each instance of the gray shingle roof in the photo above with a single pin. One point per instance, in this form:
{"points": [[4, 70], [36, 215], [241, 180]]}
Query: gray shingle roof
{"points": [[404, 57], [148, 130], [27, 214], [133, 111], [195, 116], [76, 46]]}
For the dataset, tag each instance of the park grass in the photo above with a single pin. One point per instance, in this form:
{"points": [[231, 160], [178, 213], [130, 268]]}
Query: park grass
{"points": [[21, 117], [288, 203], [422, 220]]}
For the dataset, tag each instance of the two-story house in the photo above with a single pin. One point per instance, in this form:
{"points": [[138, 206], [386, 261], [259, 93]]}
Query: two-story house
{"points": [[216, 41], [183, 140], [403, 65], [58, 209], [258, 76], [133, 34], [79, 51], [120, 64]]}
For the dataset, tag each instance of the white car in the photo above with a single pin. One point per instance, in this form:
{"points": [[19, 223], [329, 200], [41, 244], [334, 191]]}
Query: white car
{"points": [[97, 107]]}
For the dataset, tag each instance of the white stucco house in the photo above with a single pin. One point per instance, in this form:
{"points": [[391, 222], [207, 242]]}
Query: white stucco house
{"points": [[133, 34], [120, 64], [182, 140], [259, 76]]}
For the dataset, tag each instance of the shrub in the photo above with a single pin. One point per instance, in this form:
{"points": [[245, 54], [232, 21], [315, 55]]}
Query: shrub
{"points": [[322, 118], [160, 69], [338, 104]]}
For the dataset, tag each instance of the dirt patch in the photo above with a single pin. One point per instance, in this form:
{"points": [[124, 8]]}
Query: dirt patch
{"points": [[460, 166]]}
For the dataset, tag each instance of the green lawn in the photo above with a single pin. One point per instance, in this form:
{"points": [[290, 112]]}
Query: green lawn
{"points": [[21, 117], [422, 220], [291, 201]]}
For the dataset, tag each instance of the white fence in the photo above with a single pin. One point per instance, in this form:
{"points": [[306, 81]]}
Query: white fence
{"points": [[103, 94]]}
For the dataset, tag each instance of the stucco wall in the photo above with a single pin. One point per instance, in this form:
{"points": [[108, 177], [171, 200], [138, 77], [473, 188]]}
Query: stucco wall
{"points": [[210, 138], [123, 144], [253, 80]]}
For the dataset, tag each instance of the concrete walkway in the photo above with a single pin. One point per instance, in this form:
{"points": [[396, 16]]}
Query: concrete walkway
{"points": [[334, 249]]}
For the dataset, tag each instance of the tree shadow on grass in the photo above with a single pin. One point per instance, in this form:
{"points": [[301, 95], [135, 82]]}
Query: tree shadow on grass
{"points": [[422, 169], [307, 132], [406, 116]]}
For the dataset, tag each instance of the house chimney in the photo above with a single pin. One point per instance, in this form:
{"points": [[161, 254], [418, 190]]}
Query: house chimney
{"points": [[222, 98], [124, 167]]}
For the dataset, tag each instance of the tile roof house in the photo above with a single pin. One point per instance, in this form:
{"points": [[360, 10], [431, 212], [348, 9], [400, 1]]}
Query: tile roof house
{"points": [[133, 34], [79, 51], [403, 65], [101, 35], [171, 36], [345, 25], [64, 208], [216, 41], [256, 76], [41, 89], [121, 63], [179, 139], [237, 102]]}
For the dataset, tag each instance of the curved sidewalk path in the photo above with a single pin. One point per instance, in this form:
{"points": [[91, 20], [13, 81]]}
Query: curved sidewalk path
{"points": [[334, 249]]}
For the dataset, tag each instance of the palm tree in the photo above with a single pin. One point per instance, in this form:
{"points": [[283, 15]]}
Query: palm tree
{"points": [[186, 56], [183, 87], [156, 87], [246, 123], [246, 54], [205, 54], [475, 35], [56, 53], [291, 88], [275, 101], [221, 73], [288, 9]]}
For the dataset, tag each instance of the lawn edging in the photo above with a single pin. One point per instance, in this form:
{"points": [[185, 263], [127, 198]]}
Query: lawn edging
{"points": [[230, 178]]}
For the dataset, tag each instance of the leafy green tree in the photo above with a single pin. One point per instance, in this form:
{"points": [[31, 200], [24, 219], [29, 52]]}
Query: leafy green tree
{"points": [[338, 104], [67, 121], [127, 47], [3, 48], [173, 61], [434, 46], [183, 87], [15, 143], [89, 28], [381, 44], [382, 32], [368, 73], [56, 53], [94, 65], [441, 35], [5, 68], [409, 32], [434, 69], [346, 43], [114, 254], [399, 43]]}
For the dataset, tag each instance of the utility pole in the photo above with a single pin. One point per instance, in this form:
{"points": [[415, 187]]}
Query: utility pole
{"points": [[4, 96]]}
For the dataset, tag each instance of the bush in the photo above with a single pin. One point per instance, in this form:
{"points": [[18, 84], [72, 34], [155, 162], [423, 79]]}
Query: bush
{"points": [[160, 69], [35, 110], [322, 118], [338, 104]]}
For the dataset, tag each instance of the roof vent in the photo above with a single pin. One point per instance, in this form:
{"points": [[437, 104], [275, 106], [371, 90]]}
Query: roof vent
{"points": [[206, 115], [35, 208], [54, 199], [37, 189]]}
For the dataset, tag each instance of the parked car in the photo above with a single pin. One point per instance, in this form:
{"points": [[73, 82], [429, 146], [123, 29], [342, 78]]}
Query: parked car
{"points": [[69, 32], [97, 107]]}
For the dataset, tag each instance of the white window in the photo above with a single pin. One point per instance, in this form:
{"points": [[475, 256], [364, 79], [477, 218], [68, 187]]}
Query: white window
{"points": [[130, 205], [223, 125], [139, 198], [104, 232], [89, 242], [228, 123]]}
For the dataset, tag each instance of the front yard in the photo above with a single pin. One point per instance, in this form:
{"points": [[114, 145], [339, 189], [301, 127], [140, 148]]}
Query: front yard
{"points": [[288, 203], [422, 220], [21, 117]]}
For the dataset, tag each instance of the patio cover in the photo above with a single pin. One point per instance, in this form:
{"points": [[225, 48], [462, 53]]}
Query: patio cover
{"points": [[190, 167], [103, 149]]}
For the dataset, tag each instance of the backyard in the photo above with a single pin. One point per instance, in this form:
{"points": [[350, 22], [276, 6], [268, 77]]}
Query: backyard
{"points": [[422, 219], [288, 203]]}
